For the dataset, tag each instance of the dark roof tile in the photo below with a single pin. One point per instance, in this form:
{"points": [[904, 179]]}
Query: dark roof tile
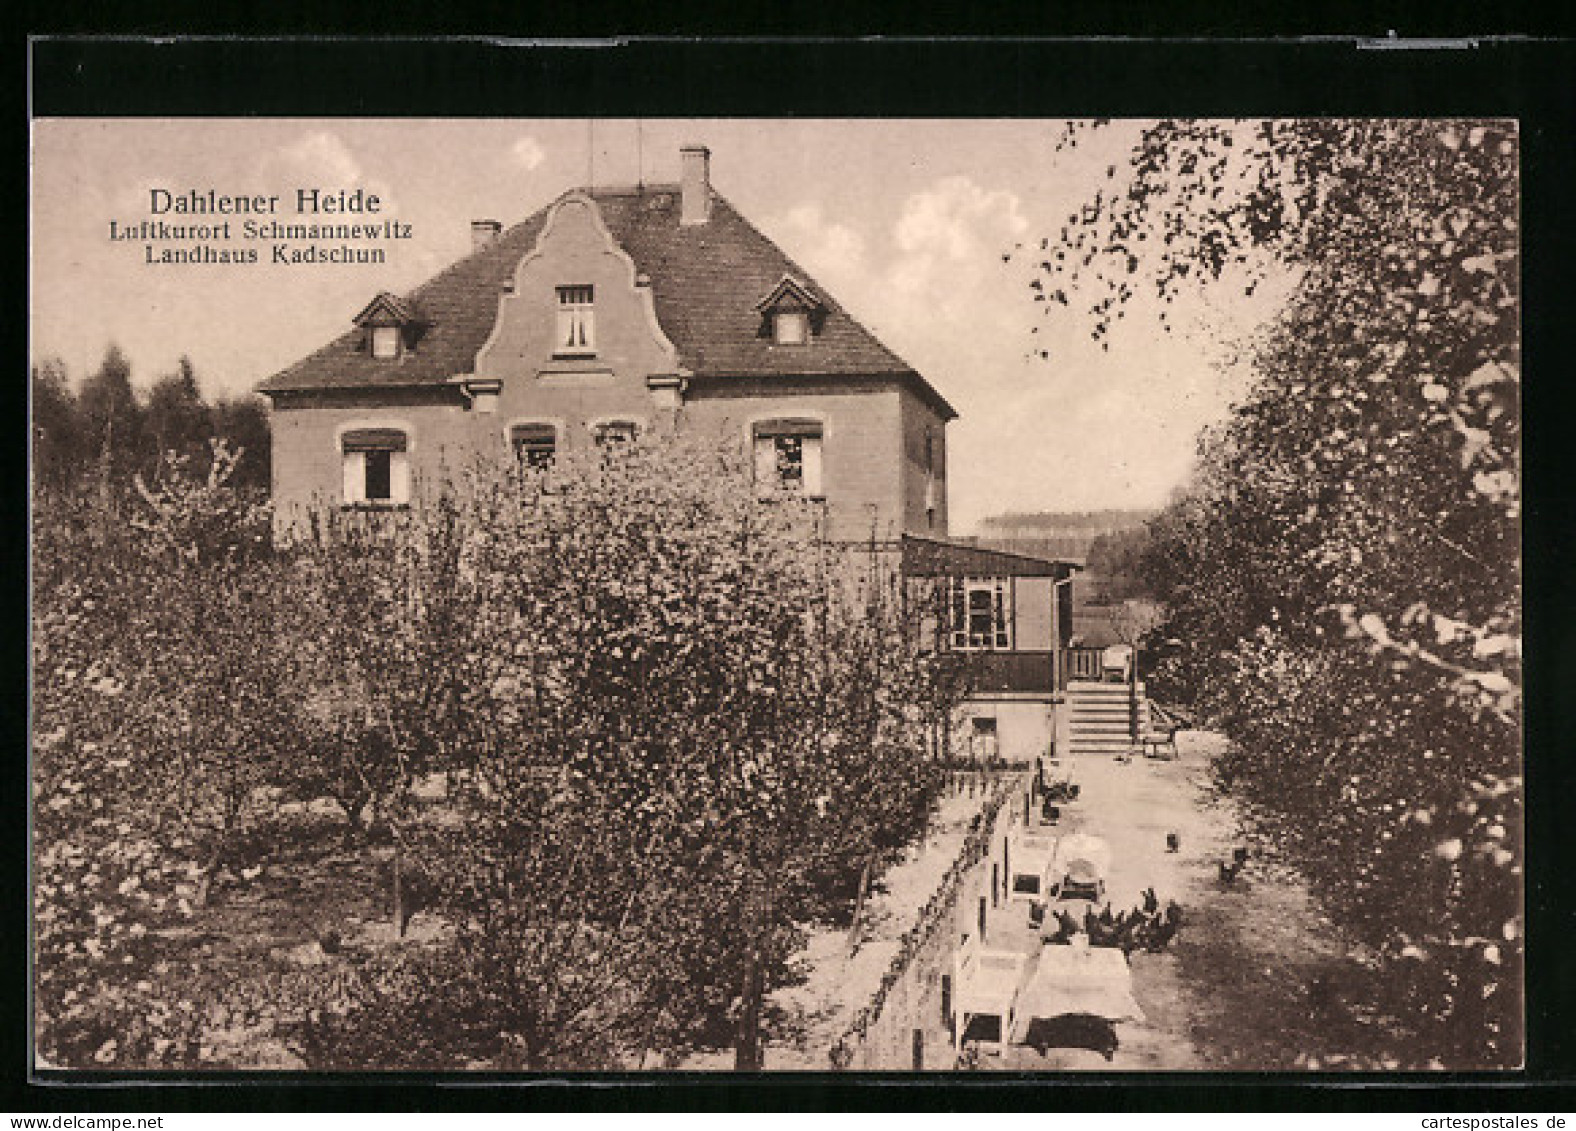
{"points": [[706, 280]]}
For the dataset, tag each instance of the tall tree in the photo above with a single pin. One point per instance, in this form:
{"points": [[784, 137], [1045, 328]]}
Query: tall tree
{"points": [[243, 422], [111, 416], [177, 418], [1344, 570], [57, 440]]}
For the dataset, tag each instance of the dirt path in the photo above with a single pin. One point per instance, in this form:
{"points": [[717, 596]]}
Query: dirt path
{"points": [[1234, 990], [1252, 981]]}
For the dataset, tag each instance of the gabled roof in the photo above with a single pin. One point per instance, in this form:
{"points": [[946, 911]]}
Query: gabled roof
{"points": [[790, 288], [705, 281], [386, 310]]}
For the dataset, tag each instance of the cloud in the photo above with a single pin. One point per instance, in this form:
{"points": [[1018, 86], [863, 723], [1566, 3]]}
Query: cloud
{"points": [[324, 157], [321, 159], [528, 152], [958, 220], [831, 251], [950, 239]]}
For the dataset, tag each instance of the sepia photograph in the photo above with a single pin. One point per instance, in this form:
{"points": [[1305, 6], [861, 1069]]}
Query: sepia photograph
{"points": [[789, 595]]}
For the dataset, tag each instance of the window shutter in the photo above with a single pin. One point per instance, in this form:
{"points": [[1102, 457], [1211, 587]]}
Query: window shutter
{"points": [[1033, 603], [811, 455], [928, 595], [960, 614], [765, 465], [355, 467], [1002, 613], [399, 477]]}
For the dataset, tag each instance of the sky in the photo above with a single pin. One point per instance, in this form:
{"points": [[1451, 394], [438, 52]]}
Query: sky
{"points": [[905, 222]]}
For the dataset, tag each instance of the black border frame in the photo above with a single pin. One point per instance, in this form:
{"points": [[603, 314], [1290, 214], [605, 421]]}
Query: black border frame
{"points": [[1487, 76]]}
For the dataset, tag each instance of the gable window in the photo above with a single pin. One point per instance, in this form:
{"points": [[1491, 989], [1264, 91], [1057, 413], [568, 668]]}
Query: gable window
{"points": [[576, 322], [390, 325], [788, 458], [981, 613], [791, 313], [385, 342], [792, 327], [612, 433], [534, 444], [376, 467]]}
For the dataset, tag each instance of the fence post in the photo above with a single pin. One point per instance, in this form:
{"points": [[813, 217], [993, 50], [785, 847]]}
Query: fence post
{"points": [[946, 998], [919, 1050], [1027, 801], [1006, 858], [995, 885], [982, 918]]}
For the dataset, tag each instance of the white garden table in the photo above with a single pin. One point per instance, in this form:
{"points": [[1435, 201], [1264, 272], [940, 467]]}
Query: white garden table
{"points": [[1077, 978]]}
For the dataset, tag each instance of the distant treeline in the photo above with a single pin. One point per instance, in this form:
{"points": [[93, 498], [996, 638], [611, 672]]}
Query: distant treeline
{"points": [[105, 424], [1043, 524], [1070, 535]]}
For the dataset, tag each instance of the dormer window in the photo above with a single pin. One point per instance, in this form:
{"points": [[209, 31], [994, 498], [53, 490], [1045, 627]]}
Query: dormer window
{"points": [[385, 342], [391, 327], [792, 327], [791, 313], [576, 322]]}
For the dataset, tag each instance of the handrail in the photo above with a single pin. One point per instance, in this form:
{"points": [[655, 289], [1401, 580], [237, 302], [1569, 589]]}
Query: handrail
{"points": [[1078, 663]]}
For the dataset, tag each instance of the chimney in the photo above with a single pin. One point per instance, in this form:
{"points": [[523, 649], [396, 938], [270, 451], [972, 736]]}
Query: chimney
{"points": [[483, 232], [695, 184]]}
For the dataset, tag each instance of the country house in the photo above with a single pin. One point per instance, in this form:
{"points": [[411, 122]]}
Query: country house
{"points": [[611, 311]]}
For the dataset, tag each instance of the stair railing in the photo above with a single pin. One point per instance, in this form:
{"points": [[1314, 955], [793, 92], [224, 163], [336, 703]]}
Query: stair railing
{"points": [[1078, 663]]}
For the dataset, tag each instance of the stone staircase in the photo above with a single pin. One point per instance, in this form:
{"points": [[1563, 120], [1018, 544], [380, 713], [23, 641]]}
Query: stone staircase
{"points": [[1094, 718]]}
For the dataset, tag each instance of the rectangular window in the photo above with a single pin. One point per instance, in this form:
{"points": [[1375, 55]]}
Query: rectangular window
{"points": [[379, 475], [376, 467], [789, 469], [576, 322], [791, 327], [534, 444], [981, 613], [788, 459], [385, 341], [982, 739], [615, 432]]}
